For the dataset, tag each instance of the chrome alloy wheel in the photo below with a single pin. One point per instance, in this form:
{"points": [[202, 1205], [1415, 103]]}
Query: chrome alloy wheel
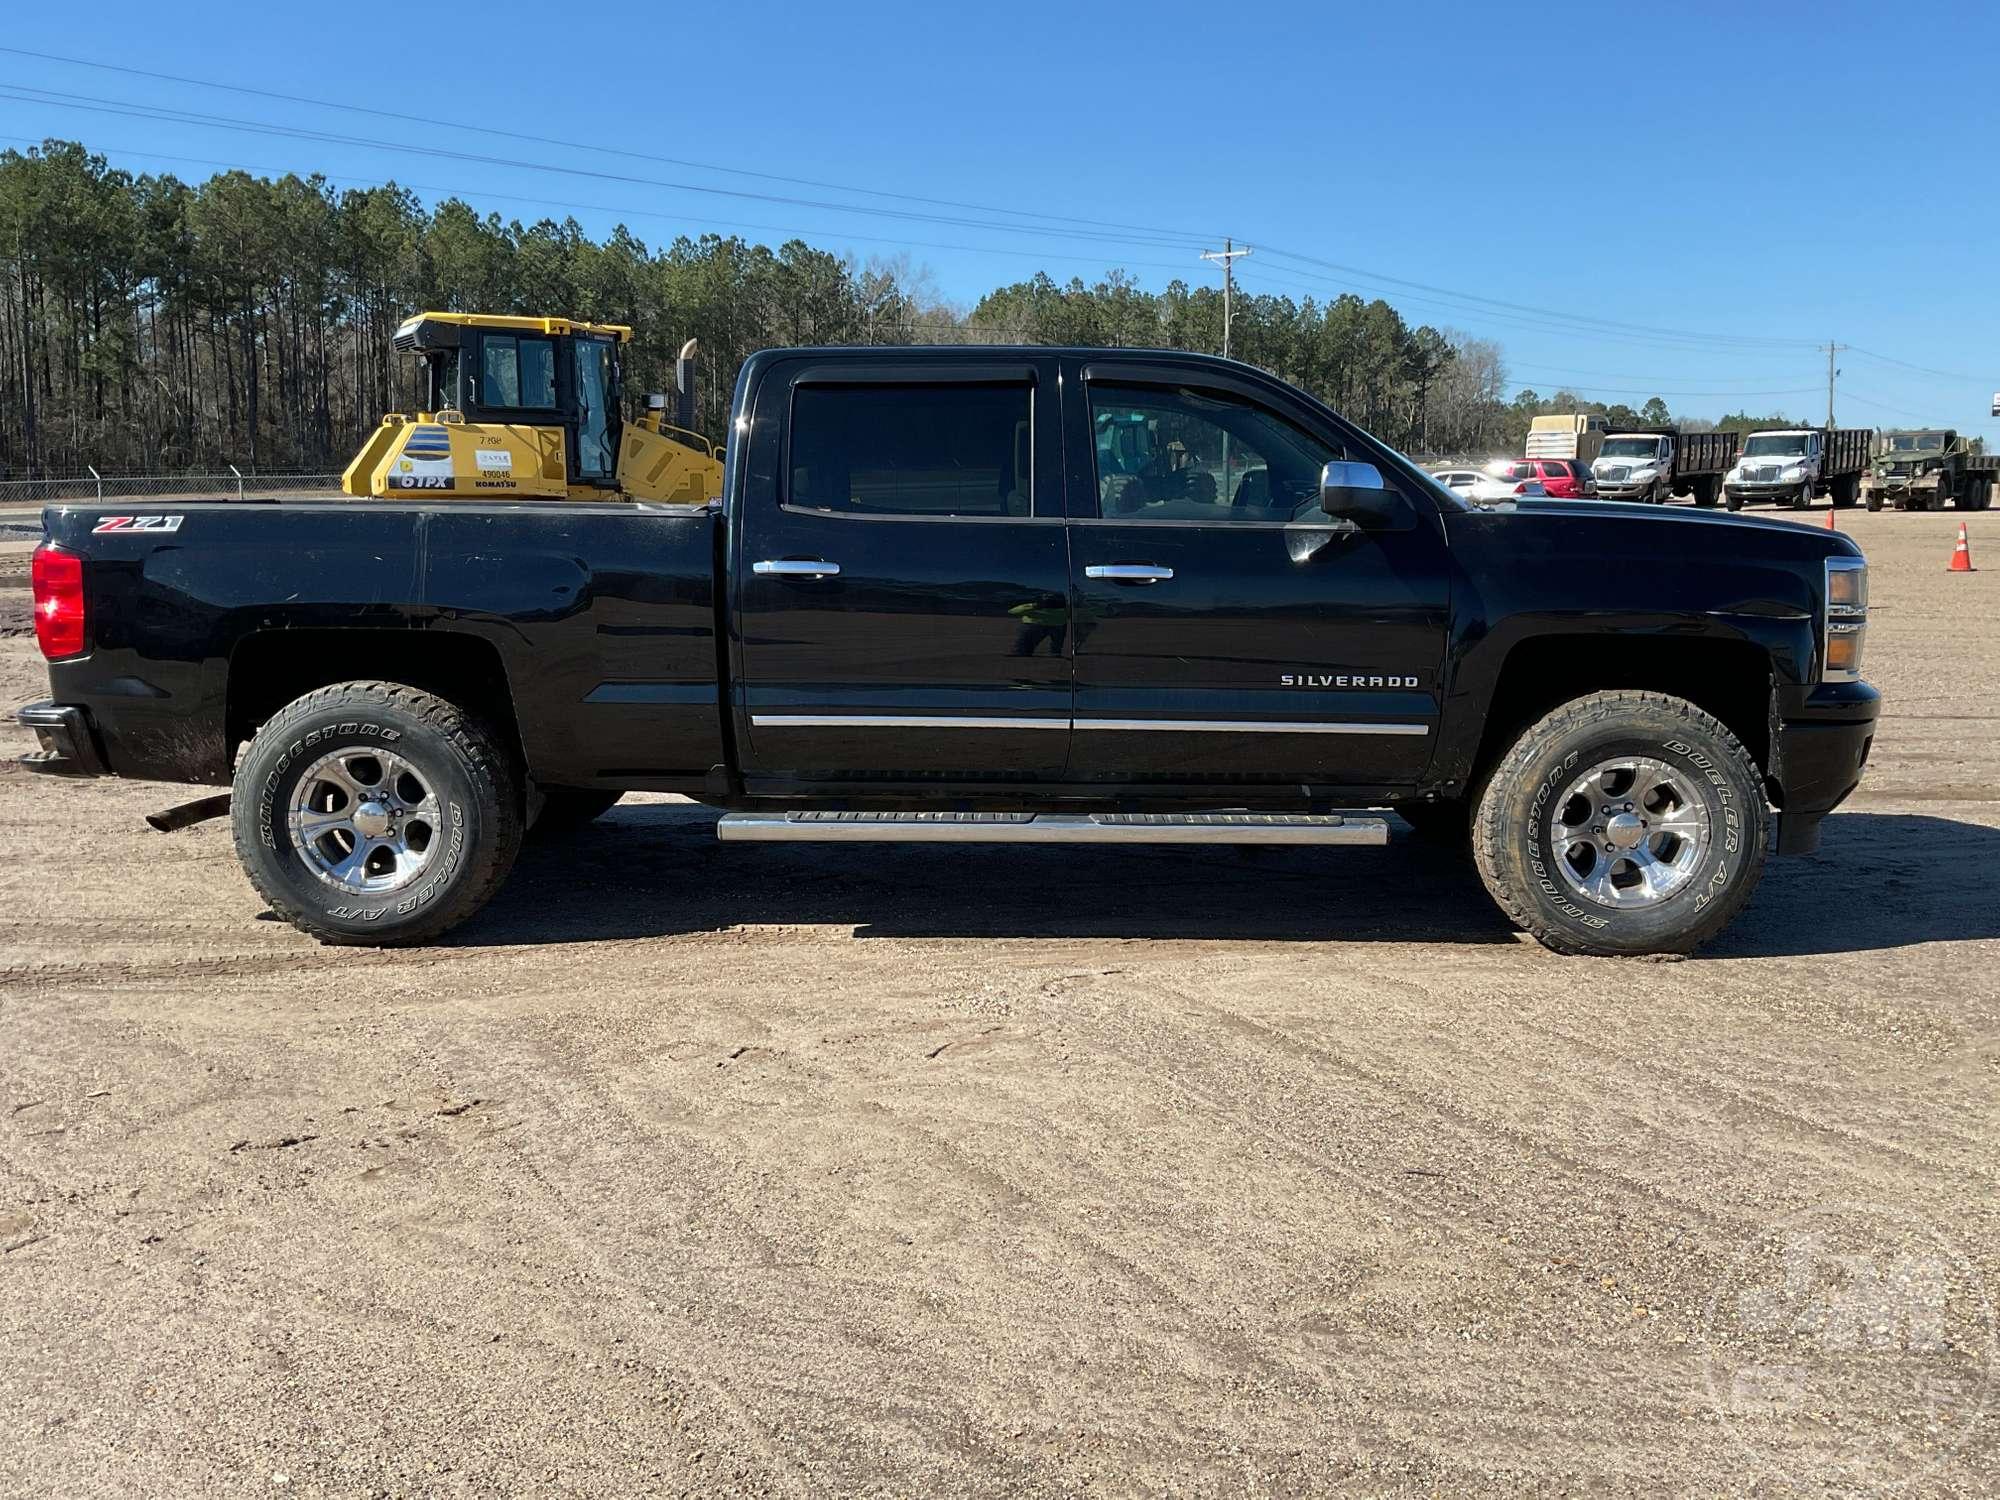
{"points": [[364, 820], [1629, 832]]}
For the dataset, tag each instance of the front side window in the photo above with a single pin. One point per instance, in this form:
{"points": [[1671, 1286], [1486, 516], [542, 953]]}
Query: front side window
{"points": [[517, 371], [913, 450], [1186, 455]]}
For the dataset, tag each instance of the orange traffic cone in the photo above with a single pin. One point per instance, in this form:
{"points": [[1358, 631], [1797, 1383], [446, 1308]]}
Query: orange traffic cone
{"points": [[1829, 519], [1961, 555]]}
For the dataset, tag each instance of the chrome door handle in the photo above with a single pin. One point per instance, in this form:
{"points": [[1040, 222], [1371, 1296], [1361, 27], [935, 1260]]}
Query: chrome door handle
{"points": [[795, 567], [1129, 572]]}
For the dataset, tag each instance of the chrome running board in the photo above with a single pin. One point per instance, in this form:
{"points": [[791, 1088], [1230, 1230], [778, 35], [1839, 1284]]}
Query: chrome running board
{"points": [[1053, 828]]}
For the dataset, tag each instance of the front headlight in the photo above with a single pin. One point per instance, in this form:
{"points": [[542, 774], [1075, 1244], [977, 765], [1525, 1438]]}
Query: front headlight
{"points": [[1846, 619], [1794, 471], [1645, 473]]}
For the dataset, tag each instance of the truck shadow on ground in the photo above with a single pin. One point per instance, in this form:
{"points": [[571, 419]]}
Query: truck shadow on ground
{"points": [[654, 870]]}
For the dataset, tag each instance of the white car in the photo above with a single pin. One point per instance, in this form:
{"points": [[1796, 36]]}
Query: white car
{"points": [[1483, 488]]}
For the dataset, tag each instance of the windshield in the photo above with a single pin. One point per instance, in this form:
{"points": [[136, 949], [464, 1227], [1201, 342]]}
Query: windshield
{"points": [[1631, 447], [1914, 442], [1775, 445]]}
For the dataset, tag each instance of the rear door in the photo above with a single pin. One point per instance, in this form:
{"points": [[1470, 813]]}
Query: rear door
{"points": [[901, 574], [1228, 632]]}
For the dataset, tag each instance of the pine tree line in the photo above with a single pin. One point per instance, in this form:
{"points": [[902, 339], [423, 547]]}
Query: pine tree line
{"points": [[152, 325]]}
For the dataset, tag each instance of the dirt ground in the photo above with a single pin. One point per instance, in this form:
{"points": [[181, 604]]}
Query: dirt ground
{"points": [[701, 1169]]}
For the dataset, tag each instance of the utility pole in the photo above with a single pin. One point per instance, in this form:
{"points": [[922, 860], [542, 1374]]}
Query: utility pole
{"points": [[1227, 255], [1831, 349]]}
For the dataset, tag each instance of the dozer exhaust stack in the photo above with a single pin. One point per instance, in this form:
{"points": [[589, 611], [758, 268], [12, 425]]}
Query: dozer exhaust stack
{"points": [[684, 371]]}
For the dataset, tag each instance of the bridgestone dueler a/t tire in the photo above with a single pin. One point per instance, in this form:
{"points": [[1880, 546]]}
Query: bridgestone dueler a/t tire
{"points": [[1510, 833], [462, 759]]}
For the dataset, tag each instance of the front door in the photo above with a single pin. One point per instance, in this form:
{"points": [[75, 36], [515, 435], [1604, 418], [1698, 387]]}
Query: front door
{"points": [[596, 447], [1229, 633], [903, 600]]}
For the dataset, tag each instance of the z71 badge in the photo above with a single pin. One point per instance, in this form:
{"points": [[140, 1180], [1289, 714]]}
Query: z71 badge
{"points": [[138, 523]]}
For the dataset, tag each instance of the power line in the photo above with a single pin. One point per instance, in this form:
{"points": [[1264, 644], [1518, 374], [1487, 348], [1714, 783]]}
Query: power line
{"points": [[1087, 228], [1904, 364], [466, 195], [1082, 229], [27, 95], [430, 122], [1555, 373], [1901, 411], [1506, 320], [1653, 390], [1731, 340]]}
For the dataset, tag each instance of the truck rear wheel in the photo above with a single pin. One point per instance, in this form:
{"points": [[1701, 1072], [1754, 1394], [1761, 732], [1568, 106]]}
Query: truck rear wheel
{"points": [[1622, 823], [372, 813]]}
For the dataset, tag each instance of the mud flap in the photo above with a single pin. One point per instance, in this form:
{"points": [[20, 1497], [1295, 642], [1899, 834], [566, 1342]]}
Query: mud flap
{"points": [[1798, 833]]}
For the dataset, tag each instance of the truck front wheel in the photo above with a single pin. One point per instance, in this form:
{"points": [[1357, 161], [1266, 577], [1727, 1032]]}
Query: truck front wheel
{"points": [[372, 813], [1622, 823]]}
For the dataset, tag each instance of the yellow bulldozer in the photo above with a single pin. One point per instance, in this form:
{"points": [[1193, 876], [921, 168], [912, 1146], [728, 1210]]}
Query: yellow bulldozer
{"points": [[529, 409]]}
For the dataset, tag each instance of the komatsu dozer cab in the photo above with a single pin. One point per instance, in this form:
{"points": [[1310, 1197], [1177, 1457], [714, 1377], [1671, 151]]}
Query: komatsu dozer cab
{"points": [[529, 409]]}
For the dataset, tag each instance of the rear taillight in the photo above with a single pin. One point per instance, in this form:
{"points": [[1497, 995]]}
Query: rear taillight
{"points": [[58, 584], [1522, 488]]}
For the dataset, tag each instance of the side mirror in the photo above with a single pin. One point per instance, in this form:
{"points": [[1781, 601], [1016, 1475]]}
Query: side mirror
{"points": [[1355, 492]]}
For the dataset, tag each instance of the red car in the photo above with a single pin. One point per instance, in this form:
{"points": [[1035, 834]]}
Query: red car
{"points": [[1561, 478]]}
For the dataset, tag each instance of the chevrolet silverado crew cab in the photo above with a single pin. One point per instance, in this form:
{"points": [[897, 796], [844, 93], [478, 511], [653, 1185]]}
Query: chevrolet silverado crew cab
{"points": [[985, 595]]}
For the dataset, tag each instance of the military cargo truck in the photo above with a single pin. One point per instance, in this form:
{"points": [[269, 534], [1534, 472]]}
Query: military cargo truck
{"points": [[1927, 469]]}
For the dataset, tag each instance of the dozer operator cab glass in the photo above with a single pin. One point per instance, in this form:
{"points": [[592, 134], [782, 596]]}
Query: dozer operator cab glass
{"points": [[596, 391], [517, 372], [438, 370]]}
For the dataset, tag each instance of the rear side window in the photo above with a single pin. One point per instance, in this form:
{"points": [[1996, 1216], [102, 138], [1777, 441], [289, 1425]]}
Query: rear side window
{"points": [[913, 450], [1555, 469], [517, 371]]}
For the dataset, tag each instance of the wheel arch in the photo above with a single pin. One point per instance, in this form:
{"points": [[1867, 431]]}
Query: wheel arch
{"points": [[270, 668], [1731, 676]]}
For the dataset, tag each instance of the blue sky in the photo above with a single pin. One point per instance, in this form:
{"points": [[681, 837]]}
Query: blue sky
{"points": [[1702, 196]]}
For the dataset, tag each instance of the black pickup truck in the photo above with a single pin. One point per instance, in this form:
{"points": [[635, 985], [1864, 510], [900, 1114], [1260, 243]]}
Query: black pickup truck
{"points": [[982, 595]]}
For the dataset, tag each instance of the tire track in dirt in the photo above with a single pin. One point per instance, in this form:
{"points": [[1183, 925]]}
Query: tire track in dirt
{"points": [[1685, 1080]]}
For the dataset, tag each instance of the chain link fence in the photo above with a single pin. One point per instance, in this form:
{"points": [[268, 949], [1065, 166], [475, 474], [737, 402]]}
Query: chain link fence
{"points": [[91, 488]]}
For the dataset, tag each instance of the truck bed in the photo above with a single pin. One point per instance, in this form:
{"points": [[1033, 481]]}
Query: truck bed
{"points": [[607, 611]]}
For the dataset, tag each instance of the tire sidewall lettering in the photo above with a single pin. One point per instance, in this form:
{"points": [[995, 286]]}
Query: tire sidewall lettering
{"points": [[273, 831], [1728, 822]]}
